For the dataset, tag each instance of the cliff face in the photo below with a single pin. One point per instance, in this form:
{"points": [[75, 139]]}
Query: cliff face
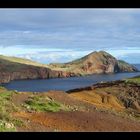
{"points": [[100, 62], [123, 66], [97, 62], [14, 71]]}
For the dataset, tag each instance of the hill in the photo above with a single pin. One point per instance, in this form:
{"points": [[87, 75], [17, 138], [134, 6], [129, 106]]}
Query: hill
{"points": [[121, 96], [12, 68], [95, 62], [22, 61]]}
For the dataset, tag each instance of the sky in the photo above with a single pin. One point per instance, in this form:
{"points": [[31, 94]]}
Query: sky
{"points": [[62, 35]]}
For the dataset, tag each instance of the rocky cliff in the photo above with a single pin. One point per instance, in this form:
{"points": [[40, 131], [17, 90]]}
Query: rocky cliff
{"points": [[13, 71]]}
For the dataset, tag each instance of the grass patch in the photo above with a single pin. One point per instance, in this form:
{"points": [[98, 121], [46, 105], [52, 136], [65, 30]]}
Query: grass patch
{"points": [[7, 122], [38, 103], [6, 105], [5, 95], [18, 122], [133, 80], [18, 62]]}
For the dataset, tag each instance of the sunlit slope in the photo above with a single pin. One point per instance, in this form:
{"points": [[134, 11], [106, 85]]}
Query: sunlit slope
{"points": [[22, 61], [95, 62]]}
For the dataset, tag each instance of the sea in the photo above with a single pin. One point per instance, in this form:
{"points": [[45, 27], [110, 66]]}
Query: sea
{"points": [[64, 84]]}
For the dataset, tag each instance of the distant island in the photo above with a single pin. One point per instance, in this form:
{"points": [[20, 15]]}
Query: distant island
{"points": [[13, 68]]}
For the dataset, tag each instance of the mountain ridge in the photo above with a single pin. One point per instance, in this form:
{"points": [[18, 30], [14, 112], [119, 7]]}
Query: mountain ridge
{"points": [[95, 62]]}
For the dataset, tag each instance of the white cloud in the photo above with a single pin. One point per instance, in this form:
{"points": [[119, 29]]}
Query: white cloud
{"points": [[66, 34], [54, 56]]}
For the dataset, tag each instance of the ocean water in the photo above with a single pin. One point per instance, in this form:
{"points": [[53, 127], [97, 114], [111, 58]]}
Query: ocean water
{"points": [[137, 66], [65, 84]]}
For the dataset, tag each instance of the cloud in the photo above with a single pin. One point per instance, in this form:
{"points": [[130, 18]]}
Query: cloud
{"points": [[43, 55], [58, 19], [132, 58], [131, 55], [55, 57], [70, 33]]}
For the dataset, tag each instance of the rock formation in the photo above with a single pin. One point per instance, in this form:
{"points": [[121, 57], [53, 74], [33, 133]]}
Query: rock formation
{"points": [[15, 71], [96, 62]]}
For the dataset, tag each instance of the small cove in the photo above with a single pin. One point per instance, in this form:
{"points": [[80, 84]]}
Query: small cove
{"points": [[40, 85], [64, 84]]}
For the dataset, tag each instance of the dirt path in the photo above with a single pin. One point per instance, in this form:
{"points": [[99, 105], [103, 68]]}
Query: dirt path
{"points": [[18, 99]]}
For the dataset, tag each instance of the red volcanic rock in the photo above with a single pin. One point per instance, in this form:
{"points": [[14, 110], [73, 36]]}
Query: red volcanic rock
{"points": [[98, 62]]}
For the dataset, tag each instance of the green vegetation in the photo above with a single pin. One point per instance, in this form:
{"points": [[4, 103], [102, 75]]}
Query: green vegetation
{"points": [[5, 105], [14, 64], [22, 61], [125, 66], [7, 122], [33, 103], [9, 66], [6, 127], [18, 122], [59, 66], [39, 103], [133, 80], [122, 62]]}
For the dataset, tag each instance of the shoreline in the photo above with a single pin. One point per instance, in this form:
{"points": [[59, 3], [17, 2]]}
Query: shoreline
{"points": [[99, 107], [67, 80]]}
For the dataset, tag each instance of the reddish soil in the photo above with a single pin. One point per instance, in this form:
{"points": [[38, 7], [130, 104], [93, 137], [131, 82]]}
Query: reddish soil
{"points": [[66, 99], [76, 121], [18, 99], [88, 119]]}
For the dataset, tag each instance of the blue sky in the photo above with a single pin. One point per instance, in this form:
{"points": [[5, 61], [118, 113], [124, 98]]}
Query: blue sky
{"points": [[61, 35]]}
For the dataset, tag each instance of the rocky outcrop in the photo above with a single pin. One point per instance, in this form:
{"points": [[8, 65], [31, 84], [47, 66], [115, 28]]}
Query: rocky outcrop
{"points": [[127, 93], [103, 62], [125, 67]]}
